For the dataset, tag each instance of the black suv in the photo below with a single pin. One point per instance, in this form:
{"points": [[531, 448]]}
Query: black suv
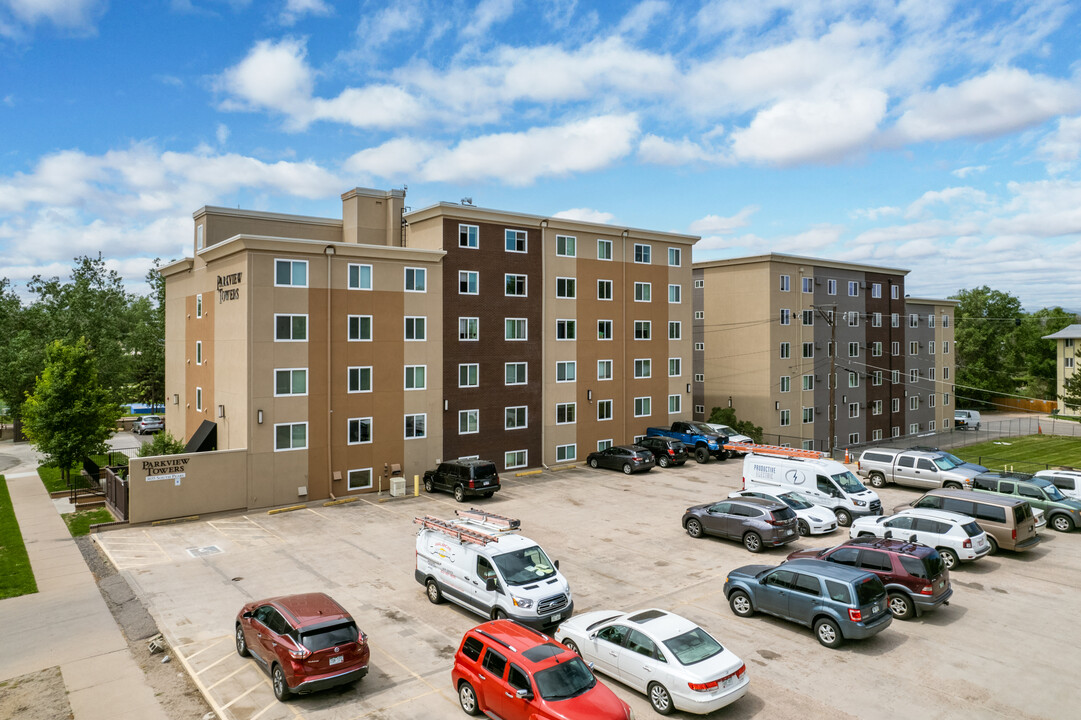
{"points": [[464, 478], [665, 450]]}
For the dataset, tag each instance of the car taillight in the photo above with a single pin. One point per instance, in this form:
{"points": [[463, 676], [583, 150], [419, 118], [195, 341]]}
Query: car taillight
{"points": [[858, 466], [744, 484], [1014, 531], [704, 687], [300, 653], [671, 452], [967, 543], [927, 590], [471, 482], [855, 614]]}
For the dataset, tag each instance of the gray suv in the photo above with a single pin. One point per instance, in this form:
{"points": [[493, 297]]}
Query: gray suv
{"points": [[839, 602], [756, 522], [915, 468]]}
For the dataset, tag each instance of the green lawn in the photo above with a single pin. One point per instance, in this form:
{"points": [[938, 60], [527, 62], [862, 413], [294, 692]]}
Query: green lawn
{"points": [[16, 577], [50, 473], [1024, 454], [79, 522]]}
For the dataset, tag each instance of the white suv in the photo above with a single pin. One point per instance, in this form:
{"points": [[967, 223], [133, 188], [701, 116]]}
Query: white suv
{"points": [[811, 519], [1067, 481], [957, 537]]}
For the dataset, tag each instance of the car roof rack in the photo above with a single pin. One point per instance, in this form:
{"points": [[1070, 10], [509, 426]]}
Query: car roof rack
{"points": [[455, 530], [502, 522], [777, 450]]}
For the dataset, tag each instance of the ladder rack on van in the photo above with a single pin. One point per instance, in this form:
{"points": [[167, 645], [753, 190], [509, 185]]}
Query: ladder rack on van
{"points": [[501, 522], [459, 533], [775, 450]]}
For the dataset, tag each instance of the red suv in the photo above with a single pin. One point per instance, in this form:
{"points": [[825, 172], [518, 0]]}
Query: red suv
{"points": [[915, 576], [508, 670], [304, 642]]}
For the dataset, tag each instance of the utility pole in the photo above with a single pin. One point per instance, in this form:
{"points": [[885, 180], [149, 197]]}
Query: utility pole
{"points": [[831, 381]]}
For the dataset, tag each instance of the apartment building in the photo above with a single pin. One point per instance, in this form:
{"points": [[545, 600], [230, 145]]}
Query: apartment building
{"points": [[1067, 341], [776, 335], [329, 352]]}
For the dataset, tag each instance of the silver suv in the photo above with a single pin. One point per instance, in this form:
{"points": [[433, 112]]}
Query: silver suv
{"points": [[148, 424], [915, 468]]}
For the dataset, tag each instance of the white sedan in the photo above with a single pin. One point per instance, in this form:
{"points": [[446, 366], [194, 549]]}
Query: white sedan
{"points": [[677, 664], [811, 519]]}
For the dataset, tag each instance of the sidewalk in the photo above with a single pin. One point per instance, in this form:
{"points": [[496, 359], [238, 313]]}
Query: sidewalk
{"points": [[66, 622]]}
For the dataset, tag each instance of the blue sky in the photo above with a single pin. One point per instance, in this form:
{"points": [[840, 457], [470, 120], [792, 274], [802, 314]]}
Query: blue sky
{"points": [[938, 136]]}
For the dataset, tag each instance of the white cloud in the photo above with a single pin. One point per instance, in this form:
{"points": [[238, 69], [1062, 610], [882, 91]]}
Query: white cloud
{"points": [[295, 10], [661, 151], [487, 14], [999, 101], [720, 225], [396, 19], [586, 215], [811, 241], [640, 17], [222, 133], [76, 16], [964, 172], [873, 214], [949, 196], [397, 158], [1062, 148]]}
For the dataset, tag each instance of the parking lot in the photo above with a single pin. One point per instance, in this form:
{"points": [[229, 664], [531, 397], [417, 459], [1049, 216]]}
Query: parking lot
{"points": [[1003, 648]]}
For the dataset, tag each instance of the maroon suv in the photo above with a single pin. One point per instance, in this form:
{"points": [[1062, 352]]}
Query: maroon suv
{"points": [[304, 642], [914, 575]]}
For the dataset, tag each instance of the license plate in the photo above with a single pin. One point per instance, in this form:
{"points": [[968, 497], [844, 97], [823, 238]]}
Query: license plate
{"points": [[941, 584], [557, 617], [874, 609], [789, 532], [336, 660]]}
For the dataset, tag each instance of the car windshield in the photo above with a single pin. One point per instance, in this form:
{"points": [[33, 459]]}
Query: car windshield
{"points": [[565, 680], [323, 638], [1054, 493], [524, 566], [953, 458], [796, 501], [848, 482], [703, 428], [934, 565], [944, 463], [694, 646], [870, 590]]}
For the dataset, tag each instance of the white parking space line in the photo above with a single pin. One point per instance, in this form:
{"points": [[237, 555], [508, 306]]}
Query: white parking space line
{"points": [[200, 652], [385, 708], [262, 712], [216, 662], [245, 694], [239, 670]]}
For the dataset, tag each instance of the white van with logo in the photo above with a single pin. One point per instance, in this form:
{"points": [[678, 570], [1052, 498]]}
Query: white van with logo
{"points": [[822, 481], [479, 561]]}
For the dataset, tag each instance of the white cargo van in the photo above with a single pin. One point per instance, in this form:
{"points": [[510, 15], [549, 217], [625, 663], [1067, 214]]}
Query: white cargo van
{"points": [[479, 561], [822, 481]]}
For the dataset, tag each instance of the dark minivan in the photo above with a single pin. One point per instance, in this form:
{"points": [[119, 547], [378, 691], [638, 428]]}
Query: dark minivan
{"points": [[464, 478]]}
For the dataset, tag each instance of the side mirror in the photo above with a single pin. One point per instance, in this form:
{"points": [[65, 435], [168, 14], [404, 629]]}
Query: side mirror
{"points": [[524, 694], [593, 636], [556, 563], [246, 615], [491, 585], [912, 538]]}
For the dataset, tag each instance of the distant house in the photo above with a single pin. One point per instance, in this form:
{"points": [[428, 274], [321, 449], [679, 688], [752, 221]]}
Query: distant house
{"points": [[1065, 362]]}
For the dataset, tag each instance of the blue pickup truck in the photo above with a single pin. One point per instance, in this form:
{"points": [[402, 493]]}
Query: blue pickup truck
{"points": [[698, 436]]}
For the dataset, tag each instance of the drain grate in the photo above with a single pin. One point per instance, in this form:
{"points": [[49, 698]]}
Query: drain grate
{"points": [[197, 552]]}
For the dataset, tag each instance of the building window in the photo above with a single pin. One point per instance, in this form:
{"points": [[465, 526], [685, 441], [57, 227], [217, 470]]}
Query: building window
{"points": [[290, 273], [198, 237], [468, 328], [831, 287], [675, 293], [853, 288], [876, 407], [642, 330], [895, 405], [876, 377], [913, 348], [699, 284], [930, 373], [914, 375], [360, 379], [604, 289], [700, 409], [290, 328], [468, 375], [515, 373], [1067, 363], [360, 431], [853, 379], [566, 371], [199, 399], [876, 290], [700, 347], [786, 316], [808, 317], [566, 453], [675, 404], [876, 320], [642, 368], [895, 292], [786, 383], [643, 406], [808, 349], [876, 434], [515, 285], [853, 410], [416, 426], [643, 292], [946, 373], [931, 423], [853, 349], [604, 329], [565, 245], [675, 330], [515, 329], [913, 320], [895, 320], [895, 348], [699, 314], [566, 329], [931, 347], [565, 288], [565, 413], [290, 436], [360, 328], [853, 438], [604, 369], [642, 254], [468, 236], [945, 321], [808, 382], [604, 249], [199, 305], [945, 398], [895, 376], [604, 410], [515, 459], [290, 381], [468, 282], [416, 280], [876, 349], [808, 284], [516, 418], [945, 347], [853, 319], [895, 431], [914, 402], [786, 283], [786, 418], [415, 377], [786, 350], [808, 415], [930, 400], [931, 320], [675, 257], [416, 328], [468, 422], [515, 241], [198, 352], [675, 367], [360, 479], [359, 277]]}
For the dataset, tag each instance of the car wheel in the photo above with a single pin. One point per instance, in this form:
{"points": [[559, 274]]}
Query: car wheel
{"points": [[900, 606], [663, 461], [467, 698], [865, 534], [627, 469], [753, 542], [951, 486], [992, 544], [459, 493], [1062, 523], [701, 455], [844, 518], [572, 646], [429, 486], [828, 633], [277, 679], [241, 643], [803, 528], [659, 699], [949, 558], [593, 463], [435, 595], [740, 604], [499, 614], [694, 528], [878, 480]]}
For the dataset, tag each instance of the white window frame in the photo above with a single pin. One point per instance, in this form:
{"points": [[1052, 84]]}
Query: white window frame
{"points": [[675, 363], [198, 352], [643, 368], [349, 430], [876, 290], [516, 276], [643, 403], [786, 283], [675, 404], [423, 324], [290, 425], [675, 294], [291, 372], [199, 399], [507, 417], [471, 323], [472, 372], [675, 330], [643, 292], [604, 410], [520, 238], [290, 315], [360, 267], [424, 422], [519, 324], [358, 486], [566, 288], [562, 454], [573, 245], [646, 254], [360, 326], [853, 410], [785, 418], [566, 329], [564, 366], [413, 369], [785, 351], [700, 347], [292, 263], [785, 384], [607, 285], [604, 248], [472, 239], [525, 373], [675, 257], [199, 304], [417, 272], [853, 288], [831, 287], [569, 411], [524, 462], [699, 314], [467, 279], [471, 418], [643, 329], [360, 376], [601, 366], [699, 284], [786, 316]]}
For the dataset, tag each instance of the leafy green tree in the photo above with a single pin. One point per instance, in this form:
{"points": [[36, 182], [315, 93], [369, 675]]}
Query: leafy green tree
{"points": [[985, 324], [727, 416], [163, 444], [1071, 391], [1034, 358], [69, 415], [22, 352]]}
